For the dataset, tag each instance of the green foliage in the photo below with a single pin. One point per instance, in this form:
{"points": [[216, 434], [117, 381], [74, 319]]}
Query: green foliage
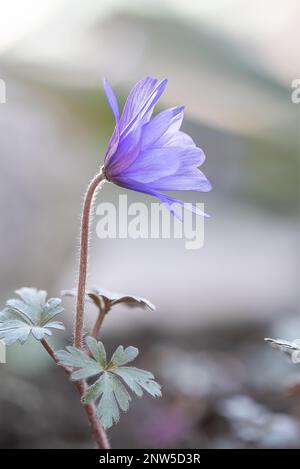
{"points": [[31, 314], [109, 390]]}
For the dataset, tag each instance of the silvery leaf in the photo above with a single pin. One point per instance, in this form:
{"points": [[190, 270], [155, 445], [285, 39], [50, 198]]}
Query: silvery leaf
{"points": [[105, 298], [97, 350], [284, 345], [107, 408], [122, 356], [288, 347], [12, 335], [137, 380], [32, 296], [56, 325], [76, 358], [109, 390], [85, 373], [29, 315]]}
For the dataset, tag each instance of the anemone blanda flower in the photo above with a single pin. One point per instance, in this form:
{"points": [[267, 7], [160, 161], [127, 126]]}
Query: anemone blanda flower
{"points": [[151, 155]]}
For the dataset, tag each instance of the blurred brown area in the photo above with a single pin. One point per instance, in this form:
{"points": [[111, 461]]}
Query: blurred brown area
{"points": [[222, 386]]}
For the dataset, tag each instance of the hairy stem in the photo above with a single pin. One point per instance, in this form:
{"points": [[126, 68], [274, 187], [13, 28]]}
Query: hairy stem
{"points": [[51, 352], [98, 322], [83, 260], [98, 431], [96, 428]]}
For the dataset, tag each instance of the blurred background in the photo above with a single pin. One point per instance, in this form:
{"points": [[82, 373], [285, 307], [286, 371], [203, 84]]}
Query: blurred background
{"points": [[231, 62]]}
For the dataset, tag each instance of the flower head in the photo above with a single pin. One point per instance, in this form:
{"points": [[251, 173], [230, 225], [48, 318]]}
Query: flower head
{"points": [[151, 155]]}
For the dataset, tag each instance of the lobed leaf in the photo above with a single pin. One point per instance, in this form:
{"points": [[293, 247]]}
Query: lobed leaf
{"points": [[85, 373], [12, 335], [109, 390], [29, 315], [137, 380], [102, 297], [97, 350], [107, 408], [76, 358], [32, 296], [122, 356], [113, 396]]}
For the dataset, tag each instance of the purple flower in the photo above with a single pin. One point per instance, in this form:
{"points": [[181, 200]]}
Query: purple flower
{"points": [[151, 155]]}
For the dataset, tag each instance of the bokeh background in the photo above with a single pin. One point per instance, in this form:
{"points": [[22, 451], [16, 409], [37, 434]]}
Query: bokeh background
{"points": [[231, 62]]}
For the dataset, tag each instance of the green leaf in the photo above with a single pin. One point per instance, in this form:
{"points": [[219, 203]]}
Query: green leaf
{"points": [[107, 409], [97, 350], [137, 380], [84, 373], [131, 383], [123, 356], [113, 386], [152, 387], [109, 389], [29, 315], [76, 358], [94, 391], [113, 395]]}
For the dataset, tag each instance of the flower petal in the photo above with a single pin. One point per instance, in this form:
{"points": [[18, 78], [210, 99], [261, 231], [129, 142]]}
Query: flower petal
{"points": [[125, 154], [190, 157], [136, 99], [153, 164], [111, 98], [172, 204], [137, 110], [191, 180], [150, 156], [176, 206], [112, 101], [178, 139], [166, 122], [140, 102]]}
